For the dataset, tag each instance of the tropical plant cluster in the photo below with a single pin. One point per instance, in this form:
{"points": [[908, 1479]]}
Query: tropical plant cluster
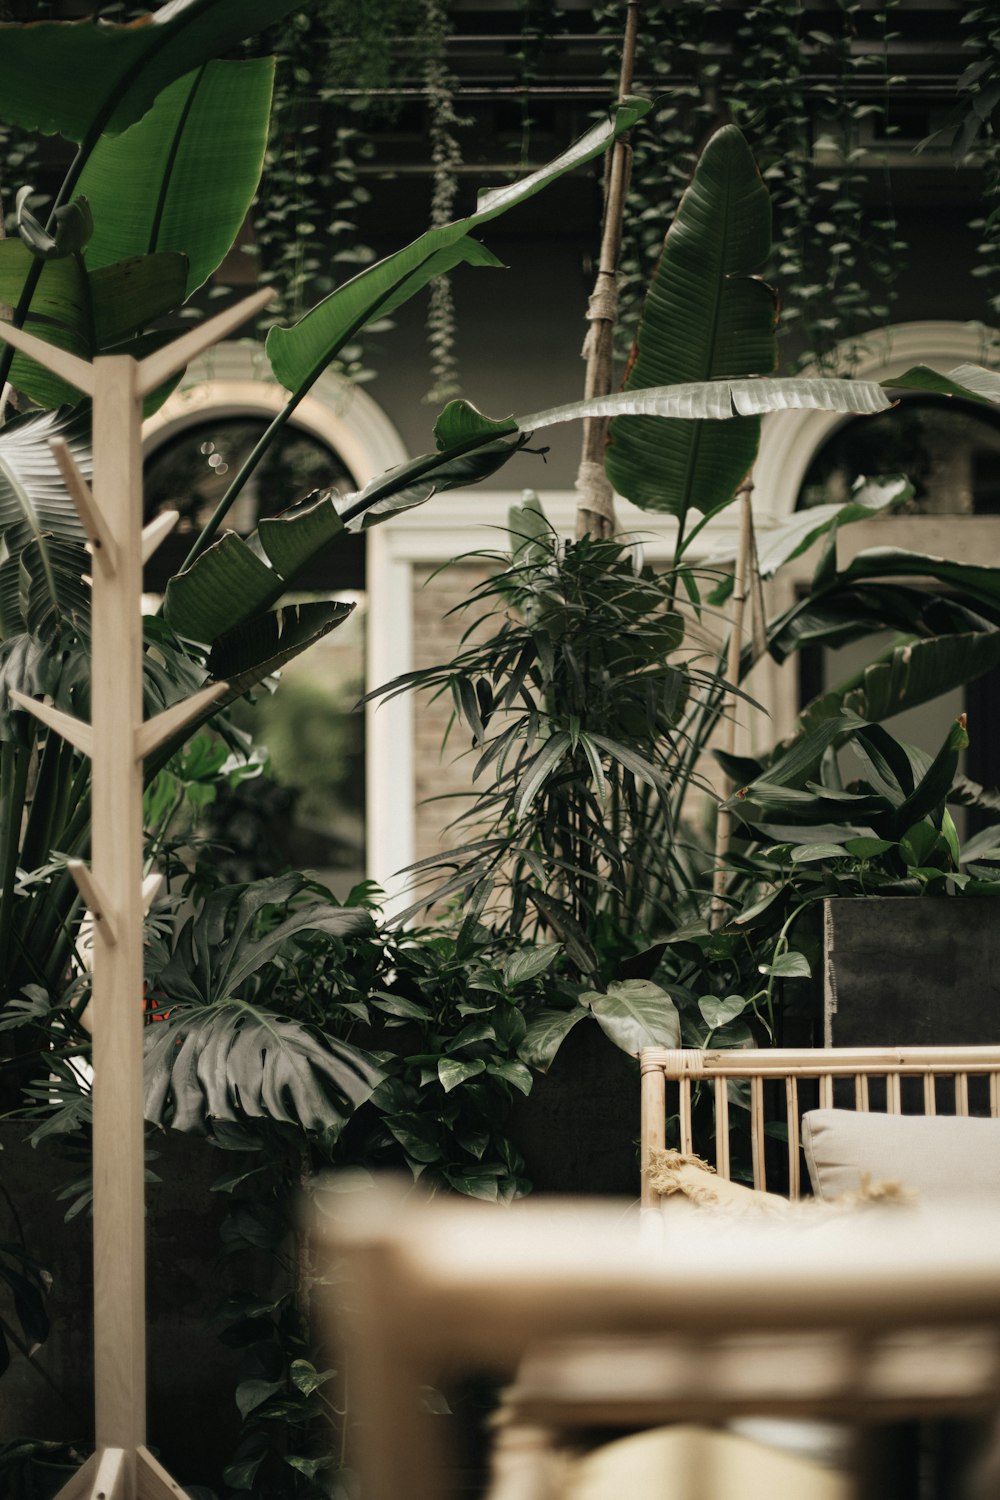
{"points": [[284, 1026]]}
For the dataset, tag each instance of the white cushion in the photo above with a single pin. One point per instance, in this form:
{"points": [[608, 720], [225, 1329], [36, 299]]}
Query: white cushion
{"points": [[694, 1463], [935, 1156]]}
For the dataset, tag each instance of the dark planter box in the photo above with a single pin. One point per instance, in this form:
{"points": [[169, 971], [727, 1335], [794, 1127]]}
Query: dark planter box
{"points": [[920, 971]]}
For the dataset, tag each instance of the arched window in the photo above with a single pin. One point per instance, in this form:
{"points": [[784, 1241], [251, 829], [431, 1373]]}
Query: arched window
{"points": [[311, 814], [950, 450]]}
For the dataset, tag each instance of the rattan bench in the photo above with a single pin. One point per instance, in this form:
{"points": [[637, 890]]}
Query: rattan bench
{"points": [[861, 1078]]}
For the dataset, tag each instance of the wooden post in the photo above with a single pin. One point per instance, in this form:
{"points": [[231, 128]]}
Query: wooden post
{"points": [[117, 740]]}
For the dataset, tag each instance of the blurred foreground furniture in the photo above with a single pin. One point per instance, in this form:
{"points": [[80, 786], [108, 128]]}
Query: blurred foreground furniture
{"points": [[855, 1319]]}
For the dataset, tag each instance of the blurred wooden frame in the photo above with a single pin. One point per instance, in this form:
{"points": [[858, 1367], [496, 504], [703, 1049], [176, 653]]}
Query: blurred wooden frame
{"points": [[877, 1316], [950, 1067]]}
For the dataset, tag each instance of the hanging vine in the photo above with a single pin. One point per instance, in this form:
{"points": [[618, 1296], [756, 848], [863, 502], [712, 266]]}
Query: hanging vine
{"points": [[306, 225], [976, 133], [446, 160], [793, 90]]}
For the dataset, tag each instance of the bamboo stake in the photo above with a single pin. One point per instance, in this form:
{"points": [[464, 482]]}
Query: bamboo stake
{"points": [[595, 505], [724, 822]]}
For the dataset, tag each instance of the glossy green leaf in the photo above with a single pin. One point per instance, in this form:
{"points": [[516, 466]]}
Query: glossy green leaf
{"points": [[452, 1071], [970, 382], [705, 316], [413, 483], [183, 177], [75, 78], [461, 422], [789, 965], [867, 847], [230, 584], [299, 353], [808, 854], [528, 963], [716, 1013], [244, 656], [546, 1033], [636, 1013], [718, 400]]}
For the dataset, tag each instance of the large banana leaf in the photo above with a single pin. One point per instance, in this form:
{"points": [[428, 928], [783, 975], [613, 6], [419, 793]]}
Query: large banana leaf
{"points": [[33, 498], [78, 78], [705, 316], [232, 1061], [191, 166], [300, 353], [83, 313]]}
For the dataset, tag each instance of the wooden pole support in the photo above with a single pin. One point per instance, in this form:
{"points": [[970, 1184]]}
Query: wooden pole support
{"points": [[151, 887], [75, 730], [158, 529], [156, 731], [94, 899], [94, 524], [76, 372], [165, 362]]}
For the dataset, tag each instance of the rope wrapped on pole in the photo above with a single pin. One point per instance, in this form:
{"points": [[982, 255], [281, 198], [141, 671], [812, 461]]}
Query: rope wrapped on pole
{"points": [[595, 511]]}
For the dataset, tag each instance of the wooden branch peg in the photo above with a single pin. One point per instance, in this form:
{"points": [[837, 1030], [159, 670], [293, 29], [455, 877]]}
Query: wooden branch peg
{"points": [[156, 731], [76, 372], [157, 531], [151, 887], [95, 899], [75, 730], [94, 524], [167, 361]]}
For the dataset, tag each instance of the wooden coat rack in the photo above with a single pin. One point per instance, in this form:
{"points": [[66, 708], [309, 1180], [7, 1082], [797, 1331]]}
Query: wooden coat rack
{"points": [[117, 741]]}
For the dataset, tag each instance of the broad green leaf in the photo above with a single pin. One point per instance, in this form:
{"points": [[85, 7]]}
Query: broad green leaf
{"points": [[972, 382], [867, 847], [254, 1392], [546, 1034], [705, 316], [183, 177], [807, 854], [919, 672], [528, 963], [75, 78], [85, 314], [788, 965], [635, 1013], [452, 1071], [413, 483], [299, 353], [232, 1062], [230, 584], [718, 400], [514, 1073], [251, 652], [461, 422], [716, 1013]]}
